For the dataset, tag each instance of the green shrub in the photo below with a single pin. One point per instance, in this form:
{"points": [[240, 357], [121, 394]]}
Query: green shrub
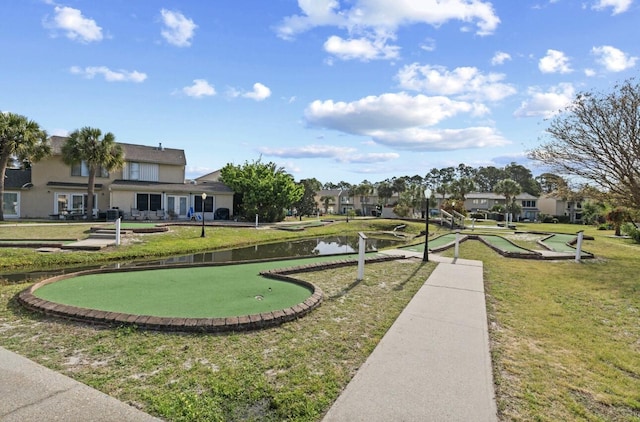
{"points": [[631, 231]]}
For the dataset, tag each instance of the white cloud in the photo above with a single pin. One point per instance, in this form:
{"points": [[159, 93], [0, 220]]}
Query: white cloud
{"points": [[200, 88], [109, 75], [369, 158], [308, 151], [259, 93], [76, 26], [429, 44], [402, 120], [178, 29], [422, 139], [499, 58], [612, 59], [370, 23], [360, 48], [554, 62], [619, 6], [546, 104], [462, 82], [386, 112], [339, 154]]}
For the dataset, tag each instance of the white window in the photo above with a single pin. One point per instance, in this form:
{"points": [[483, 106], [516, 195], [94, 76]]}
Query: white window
{"points": [[148, 172], [81, 169]]}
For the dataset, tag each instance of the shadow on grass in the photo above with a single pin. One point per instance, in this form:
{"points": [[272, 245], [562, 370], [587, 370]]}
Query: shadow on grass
{"points": [[344, 291], [410, 277]]}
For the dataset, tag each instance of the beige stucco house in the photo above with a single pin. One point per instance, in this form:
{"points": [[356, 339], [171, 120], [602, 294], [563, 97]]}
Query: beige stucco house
{"points": [[150, 185]]}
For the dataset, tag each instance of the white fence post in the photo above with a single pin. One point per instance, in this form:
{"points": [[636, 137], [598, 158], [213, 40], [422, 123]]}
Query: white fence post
{"points": [[118, 231], [457, 248], [362, 245], [579, 246]]}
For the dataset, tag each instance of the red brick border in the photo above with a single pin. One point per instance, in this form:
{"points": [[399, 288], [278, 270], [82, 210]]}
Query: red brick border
{"points": [[201, 325]]}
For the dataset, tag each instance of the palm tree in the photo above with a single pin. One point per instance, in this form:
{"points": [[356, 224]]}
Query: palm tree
{"points": [[86, 145], [508, 188], [364, 190], [326, 200], [20, 138]]}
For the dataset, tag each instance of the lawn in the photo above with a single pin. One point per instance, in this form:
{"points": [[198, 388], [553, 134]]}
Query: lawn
{"points": [[565, 339]]}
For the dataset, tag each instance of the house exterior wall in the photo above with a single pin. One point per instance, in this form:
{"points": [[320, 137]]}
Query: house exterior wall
{"points": [[54, 188]]}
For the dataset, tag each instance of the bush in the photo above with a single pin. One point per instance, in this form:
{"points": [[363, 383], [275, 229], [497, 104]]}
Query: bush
{"points": [[631, 231]]}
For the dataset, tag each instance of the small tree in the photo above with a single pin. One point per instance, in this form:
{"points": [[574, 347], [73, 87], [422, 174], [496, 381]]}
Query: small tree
{"points": [[20, 138], [617, 216], [509, 189], [307, 204], [97, 152], [265, 189]]}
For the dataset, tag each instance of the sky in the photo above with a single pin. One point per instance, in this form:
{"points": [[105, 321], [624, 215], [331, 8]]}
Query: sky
{"points": [[337, 90]]}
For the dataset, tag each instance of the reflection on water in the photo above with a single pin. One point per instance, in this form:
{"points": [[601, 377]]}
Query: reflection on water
{"points": [[289, 249]]}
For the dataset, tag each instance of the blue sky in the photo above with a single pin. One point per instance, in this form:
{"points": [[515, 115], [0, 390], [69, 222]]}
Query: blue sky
{"points": [[339, 90]]}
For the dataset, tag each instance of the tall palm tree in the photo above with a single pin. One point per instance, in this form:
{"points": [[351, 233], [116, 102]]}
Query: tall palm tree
{"points": [[20, 138], [97, 152], [326, 200], [508, 188]]}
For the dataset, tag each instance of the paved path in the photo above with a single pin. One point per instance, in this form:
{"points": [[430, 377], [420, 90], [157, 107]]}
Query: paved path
{"points": [[434, 363], [30, 392]]}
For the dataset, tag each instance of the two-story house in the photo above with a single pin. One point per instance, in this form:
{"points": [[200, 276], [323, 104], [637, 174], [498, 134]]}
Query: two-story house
{"points": [[557, 206], [483, 202], [150, 185]]}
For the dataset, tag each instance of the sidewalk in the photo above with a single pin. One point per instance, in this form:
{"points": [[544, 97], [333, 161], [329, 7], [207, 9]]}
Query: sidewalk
{"points": [[434, 363], [31, 392]]}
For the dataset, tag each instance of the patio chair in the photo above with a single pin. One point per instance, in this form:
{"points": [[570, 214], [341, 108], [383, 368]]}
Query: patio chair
{"points": [[135, 213], [160, 214]]}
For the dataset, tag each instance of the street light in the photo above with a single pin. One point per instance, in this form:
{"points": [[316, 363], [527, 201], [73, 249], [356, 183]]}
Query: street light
{"points": [[204, 196], [425, 256]]}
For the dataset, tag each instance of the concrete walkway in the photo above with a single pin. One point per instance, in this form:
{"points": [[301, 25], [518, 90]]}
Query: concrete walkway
{"points": [[434, 362], [31, 392]]}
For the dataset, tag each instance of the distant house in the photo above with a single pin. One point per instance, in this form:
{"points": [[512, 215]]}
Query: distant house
{"points": [[483, 202], [151, 185], [558, 207]]}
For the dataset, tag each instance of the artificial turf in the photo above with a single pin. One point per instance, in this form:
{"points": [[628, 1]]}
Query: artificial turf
{"points": [[191, 292]]}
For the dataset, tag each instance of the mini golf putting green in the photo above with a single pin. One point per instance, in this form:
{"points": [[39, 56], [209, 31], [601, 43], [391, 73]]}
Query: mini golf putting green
{"points": [[202, 298], [196, 292]]}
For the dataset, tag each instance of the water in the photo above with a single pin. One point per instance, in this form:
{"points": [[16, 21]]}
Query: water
{"points": [[289, 249]]}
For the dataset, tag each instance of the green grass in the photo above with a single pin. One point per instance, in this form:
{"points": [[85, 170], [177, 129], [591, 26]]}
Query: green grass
{"points": [[564, 338]]}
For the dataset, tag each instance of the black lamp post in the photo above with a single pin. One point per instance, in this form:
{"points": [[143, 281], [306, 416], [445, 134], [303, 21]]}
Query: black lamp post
{"points": [[425, 256], [204, 196]]}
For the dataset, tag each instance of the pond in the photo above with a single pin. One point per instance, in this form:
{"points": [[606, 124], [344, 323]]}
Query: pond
{"points": [[289, 249]]}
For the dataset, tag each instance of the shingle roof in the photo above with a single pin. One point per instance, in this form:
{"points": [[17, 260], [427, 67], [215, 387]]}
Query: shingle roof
{"points": [[138, 153], [17, 178]]}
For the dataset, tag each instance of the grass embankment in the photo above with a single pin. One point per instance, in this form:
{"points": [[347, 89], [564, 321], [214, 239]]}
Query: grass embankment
{"points": [[565, 342]]}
